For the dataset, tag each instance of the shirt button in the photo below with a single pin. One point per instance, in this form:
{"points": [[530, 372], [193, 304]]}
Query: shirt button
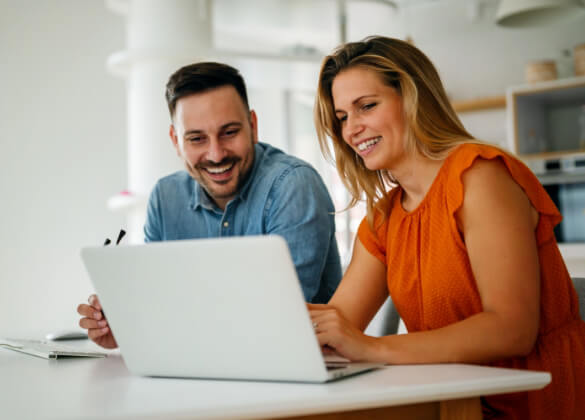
{"points": [[226, 224]]}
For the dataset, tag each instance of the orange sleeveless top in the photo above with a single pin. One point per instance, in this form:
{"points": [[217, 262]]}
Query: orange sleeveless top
{"points": [[431, 283]]}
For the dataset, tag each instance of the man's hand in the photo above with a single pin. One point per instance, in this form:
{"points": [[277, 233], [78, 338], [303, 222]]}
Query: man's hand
{"points": [[96, 323]]}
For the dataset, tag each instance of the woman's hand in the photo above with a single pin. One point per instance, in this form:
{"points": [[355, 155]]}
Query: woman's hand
{"points": [[336, 333], [96, 323]]}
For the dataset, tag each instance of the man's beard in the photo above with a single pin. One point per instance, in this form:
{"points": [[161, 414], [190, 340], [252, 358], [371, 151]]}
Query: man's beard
{"points": [[197, 172]]}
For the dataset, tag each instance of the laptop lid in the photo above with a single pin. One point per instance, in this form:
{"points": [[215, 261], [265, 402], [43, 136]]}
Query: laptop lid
{"points": [[225, 308]]}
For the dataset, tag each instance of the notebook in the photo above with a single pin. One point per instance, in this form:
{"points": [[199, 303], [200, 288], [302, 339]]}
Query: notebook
{"points": [[46, 349], [222, 308]]}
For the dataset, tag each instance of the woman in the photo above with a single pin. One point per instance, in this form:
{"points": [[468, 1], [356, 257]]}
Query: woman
{"points": [[458, 232]]}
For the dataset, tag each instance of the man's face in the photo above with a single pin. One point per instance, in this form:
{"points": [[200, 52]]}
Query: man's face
{"points": [[215, 134]]}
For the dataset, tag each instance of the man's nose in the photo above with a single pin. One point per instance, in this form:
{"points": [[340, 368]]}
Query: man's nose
{"points": [[216, 151]]}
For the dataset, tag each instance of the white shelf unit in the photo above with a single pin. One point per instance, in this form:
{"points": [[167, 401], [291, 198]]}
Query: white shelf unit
{"points": [[545, 120]]}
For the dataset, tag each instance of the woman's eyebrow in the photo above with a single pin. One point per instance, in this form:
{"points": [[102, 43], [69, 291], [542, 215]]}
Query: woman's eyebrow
{"points": [[356, 100]]}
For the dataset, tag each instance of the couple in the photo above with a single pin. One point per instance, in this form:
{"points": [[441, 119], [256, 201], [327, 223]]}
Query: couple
{"points": [[458, 232]]}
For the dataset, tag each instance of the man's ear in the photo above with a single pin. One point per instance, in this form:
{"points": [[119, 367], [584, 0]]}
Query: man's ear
{"points": [[254, 126], [175, 140]]}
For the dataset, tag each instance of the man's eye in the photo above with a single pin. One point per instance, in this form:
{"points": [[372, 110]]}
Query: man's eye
{"points": [[195, 139], [231, 133]]}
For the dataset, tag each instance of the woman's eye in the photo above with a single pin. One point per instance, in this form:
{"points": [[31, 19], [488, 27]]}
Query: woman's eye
{"points": [[342, 118], [369, 106]]}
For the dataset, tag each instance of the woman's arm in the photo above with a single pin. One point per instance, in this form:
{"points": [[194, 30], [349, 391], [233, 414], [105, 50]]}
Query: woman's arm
{"points": [[497, 223], [339, 325], [363, 289]]}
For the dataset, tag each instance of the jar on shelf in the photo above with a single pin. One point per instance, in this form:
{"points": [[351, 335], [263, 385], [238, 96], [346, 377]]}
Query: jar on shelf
{"points": [[540, 71]]}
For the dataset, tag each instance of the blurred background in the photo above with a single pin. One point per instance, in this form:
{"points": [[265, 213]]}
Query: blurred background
{"points": [[84, 124]]}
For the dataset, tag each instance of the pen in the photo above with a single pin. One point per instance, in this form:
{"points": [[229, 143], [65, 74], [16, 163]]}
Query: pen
{"points": [[120, 236]]}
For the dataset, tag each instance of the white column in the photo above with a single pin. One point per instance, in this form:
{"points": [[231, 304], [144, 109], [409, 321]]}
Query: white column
{"points": [[162, 35]]}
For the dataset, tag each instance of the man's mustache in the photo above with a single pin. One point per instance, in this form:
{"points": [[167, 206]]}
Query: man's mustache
{"points": [[223, 162]]}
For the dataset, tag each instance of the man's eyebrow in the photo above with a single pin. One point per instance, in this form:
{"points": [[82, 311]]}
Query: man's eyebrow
{"points": [[231, 124], [222, 127]]}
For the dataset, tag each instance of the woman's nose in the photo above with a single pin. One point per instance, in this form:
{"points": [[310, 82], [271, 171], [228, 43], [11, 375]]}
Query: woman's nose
{"points": [[353, 127]]}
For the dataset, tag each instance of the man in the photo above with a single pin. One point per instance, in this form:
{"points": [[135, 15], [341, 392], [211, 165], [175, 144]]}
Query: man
{"points": [[233, 186]]}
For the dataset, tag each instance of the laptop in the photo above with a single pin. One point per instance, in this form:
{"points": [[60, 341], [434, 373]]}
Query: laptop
{"points": [[222, 308]]}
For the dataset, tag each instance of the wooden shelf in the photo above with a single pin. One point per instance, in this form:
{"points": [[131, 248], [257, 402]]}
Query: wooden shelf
{"points": [[480, 104], [495, 102]]}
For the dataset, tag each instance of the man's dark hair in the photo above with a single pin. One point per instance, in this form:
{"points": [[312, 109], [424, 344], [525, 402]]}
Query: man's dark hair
{"points": [[200, 77]]}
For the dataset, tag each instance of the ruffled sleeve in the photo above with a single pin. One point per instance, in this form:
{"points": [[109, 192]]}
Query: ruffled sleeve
{"points": [[464, 157], [374, 241]]}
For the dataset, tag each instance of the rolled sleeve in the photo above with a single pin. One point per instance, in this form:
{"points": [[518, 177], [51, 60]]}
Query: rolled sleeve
{"points": [[300, 210]]}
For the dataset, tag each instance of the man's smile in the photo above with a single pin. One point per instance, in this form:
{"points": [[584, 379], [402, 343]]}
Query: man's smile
{"points": [[220, 172], [219, 169]]}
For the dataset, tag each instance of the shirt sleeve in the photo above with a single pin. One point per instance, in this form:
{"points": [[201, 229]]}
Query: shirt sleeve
{"points": [[152, 226], [300, 210], [374, 242]]}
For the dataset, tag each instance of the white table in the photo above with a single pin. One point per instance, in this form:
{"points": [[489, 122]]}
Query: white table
{"points": [[35, 388]]}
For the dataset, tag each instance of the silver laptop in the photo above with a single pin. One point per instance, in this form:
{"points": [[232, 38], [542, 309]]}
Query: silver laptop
{"points": [[224, 308]]}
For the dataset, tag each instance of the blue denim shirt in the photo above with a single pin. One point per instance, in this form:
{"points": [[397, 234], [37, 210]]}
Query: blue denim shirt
{"points": [[283, 195]]}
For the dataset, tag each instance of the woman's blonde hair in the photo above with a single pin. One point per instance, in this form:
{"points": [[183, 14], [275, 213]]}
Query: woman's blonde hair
{"points": [[432, 126]]}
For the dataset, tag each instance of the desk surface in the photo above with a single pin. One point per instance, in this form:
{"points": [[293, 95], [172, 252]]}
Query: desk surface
{"points": [[36, 388]]}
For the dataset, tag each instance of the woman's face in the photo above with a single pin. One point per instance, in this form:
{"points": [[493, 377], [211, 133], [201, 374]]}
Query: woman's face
{"points": [[371, 118]]}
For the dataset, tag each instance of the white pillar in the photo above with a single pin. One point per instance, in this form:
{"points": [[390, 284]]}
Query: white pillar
{"points": [[161, 36]]}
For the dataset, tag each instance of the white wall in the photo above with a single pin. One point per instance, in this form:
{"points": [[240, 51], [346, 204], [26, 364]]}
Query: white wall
{"points": [[475, 57], [62, 154], [62, 118]]}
